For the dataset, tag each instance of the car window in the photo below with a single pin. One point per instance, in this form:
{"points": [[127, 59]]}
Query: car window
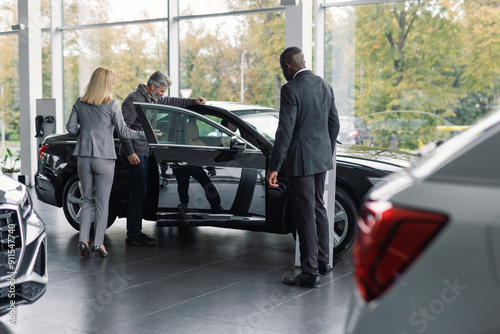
{"points": [[182, 127], [266, 124], [227, 125], [469, 157], [477, 165]]}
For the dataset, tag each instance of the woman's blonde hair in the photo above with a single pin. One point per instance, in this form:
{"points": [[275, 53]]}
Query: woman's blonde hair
{"points": [[100, 87]]}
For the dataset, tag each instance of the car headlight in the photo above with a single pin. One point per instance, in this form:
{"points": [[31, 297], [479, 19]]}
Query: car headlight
{"points": [[26, 206], [34, 226]]}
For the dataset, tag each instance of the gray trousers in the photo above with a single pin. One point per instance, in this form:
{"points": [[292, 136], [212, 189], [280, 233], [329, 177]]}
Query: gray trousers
{"points": [[309, 212], [96, 180]]}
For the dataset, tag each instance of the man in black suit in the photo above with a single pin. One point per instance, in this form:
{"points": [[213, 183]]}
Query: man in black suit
{"points": [[304, 145]]}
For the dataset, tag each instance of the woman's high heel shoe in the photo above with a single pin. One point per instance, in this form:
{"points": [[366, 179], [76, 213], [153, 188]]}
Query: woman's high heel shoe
{"points": [[83, 249], [100, 251]]}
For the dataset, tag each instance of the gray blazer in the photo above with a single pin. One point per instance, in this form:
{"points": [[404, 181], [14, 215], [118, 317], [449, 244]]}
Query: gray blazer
{"points": [[95, 126], [308, 126]]}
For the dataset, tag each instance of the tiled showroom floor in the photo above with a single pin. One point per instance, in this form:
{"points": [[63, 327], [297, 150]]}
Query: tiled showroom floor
{"points": [[198, 280]]}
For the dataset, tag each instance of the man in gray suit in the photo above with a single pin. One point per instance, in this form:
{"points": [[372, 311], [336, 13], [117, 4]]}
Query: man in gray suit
{"points": [[303, 151], [135, 153]]}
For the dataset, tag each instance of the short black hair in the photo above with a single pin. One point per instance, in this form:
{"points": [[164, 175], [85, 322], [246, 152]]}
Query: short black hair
{"points": [[288, 54]]}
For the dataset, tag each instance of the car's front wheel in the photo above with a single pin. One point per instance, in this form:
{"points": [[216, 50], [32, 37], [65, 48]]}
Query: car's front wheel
{"points": [[72, 204], [344, 226]]}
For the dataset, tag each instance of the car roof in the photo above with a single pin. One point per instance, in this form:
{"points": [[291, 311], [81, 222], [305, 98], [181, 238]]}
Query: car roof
{"points": [[470, 156], [240, 108]]}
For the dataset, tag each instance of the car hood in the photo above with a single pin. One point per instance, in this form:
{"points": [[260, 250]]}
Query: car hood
{"points": [[12, 191], [385, 159]]}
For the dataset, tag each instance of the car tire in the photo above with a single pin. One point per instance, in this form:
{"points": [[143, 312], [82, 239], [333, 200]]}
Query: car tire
{"points": [[72, 204], [346, 217], [345, 222]]}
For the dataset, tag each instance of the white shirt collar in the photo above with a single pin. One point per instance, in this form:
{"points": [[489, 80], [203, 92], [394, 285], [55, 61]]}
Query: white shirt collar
{"points": [[304, 69]]}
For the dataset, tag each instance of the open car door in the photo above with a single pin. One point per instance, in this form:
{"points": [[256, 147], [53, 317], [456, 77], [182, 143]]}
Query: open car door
{"points": [[213, 176]]}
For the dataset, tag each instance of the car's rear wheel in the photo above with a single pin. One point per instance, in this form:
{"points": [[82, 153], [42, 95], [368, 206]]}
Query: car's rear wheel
{"points": [[72, 204], [344, 226]]}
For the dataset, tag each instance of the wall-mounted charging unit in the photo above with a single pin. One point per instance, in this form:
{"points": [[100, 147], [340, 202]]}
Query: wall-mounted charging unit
{"points": [[45, 120]]}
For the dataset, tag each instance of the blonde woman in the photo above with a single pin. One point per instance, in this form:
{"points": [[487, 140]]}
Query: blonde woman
{"points": [[93, 118]]}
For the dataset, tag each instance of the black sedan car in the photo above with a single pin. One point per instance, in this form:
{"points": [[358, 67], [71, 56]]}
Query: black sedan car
{"points": [[209, 167]]}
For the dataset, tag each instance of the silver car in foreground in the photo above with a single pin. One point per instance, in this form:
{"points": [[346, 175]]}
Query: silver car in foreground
{"points": [[23, 250], [427, 254]]}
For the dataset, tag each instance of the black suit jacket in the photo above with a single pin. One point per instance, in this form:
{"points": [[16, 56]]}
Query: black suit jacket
{"points": [[308, 126]]}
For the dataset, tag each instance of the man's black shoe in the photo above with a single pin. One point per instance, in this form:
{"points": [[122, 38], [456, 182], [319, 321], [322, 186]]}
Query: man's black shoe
{"points": [[305, 280], [141, 240], [324, 269]]}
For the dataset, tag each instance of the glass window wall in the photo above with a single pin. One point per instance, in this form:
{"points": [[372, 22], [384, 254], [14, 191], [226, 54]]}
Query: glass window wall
{"points": [[9, 101], [235, 58], [8, 15], [46, 65], [414, 71], [44, 21], [200, 7], [81, 12], [133, 52], [395, 65]]}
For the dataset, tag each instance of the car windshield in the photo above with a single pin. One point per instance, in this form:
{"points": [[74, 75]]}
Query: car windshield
{"points": [[265, 123]]}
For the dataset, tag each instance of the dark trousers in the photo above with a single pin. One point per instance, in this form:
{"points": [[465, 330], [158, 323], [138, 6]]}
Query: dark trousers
{"points": [[182, 175], [137, 175], [309, 212]]}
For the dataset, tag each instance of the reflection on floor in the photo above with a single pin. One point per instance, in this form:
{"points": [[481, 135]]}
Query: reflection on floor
{"points": [[197, 280]]}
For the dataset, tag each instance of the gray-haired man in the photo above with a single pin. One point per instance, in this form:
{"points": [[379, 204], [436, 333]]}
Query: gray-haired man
{"points": [[134, 153]]}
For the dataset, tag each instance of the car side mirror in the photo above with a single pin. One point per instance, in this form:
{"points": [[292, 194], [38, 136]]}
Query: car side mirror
{"points": [[237, 144], [236, 148]]}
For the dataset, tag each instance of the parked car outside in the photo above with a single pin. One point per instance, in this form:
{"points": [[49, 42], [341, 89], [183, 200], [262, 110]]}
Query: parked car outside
{"points": [[427, 254], [408, 130], [23, 250], [194, 139], [354, 131]]}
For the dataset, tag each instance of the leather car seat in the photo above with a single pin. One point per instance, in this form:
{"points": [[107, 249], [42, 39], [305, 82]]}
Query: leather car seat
{"points": [[194, 133]]}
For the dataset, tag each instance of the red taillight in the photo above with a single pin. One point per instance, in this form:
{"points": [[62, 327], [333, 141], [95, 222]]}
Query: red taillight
{"points": [[389, 239], [42, 151], [353, 134]]}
